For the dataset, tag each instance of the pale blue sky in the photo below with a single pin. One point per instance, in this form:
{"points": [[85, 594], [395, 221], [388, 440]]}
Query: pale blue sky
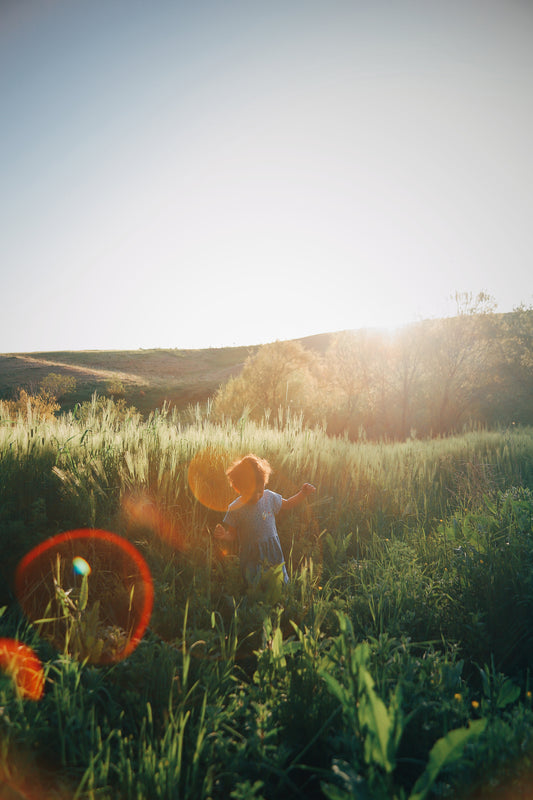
{"points": [[180, 174]]}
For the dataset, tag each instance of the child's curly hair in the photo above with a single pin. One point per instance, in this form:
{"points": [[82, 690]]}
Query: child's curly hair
{"points": [[247, 473]]}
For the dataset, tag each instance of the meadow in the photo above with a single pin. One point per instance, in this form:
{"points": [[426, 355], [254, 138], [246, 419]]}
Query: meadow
{"points": [[394, 665]]}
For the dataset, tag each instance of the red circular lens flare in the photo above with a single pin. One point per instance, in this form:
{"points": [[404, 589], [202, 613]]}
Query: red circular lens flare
{"points": [[101, 615], [21, 663]]}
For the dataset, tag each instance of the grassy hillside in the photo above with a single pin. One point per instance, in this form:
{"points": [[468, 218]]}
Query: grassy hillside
{"points": [[433, 378], [150, 377]]}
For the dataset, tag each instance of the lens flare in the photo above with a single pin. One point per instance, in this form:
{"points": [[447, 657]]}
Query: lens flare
{"points": [[142, 511], [80, 566], [20, 779], [21, 663], [208, 481], [97, 610]]}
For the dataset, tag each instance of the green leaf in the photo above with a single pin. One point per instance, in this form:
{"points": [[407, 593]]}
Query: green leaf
{"points": [[337, 690], [445, 751], [84, 593], [333, 792], [379, 747], [507, 693], [485, 680], [277, 647]]}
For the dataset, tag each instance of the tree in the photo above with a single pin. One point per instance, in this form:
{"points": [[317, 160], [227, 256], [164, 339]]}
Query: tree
{"points": [[357, 367], [406, 359], [514, 389], [458, 352], [280, 374], [114, 388]]}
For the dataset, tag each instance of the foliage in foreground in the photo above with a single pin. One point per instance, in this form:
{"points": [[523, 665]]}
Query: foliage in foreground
{"points": [[395, 665]]}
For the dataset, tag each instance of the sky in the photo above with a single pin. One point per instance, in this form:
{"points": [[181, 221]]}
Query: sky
{"points": [[228, 172]]}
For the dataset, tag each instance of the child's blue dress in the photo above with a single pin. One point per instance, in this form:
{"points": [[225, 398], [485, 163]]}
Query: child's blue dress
{"points": [[257, 534]]}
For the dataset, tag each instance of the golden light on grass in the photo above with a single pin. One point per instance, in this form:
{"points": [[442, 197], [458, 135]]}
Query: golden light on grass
{"points": [[89, 592], [20, 662]]}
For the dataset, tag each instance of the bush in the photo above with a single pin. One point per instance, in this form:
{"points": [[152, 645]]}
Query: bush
{"points": [[32, 408], [55, 385]]}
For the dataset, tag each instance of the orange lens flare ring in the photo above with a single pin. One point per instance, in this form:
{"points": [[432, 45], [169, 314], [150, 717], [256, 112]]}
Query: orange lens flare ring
{"points": [[88, 567], [20, 662], [207, 479]]}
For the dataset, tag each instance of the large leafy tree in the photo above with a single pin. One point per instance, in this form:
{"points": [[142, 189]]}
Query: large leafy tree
{"points": [[459, 352], [511, 401], [280, 375]]}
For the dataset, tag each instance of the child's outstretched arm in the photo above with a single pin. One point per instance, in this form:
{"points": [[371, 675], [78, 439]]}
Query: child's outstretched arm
{"points": [[224, 534], [298, 498]]}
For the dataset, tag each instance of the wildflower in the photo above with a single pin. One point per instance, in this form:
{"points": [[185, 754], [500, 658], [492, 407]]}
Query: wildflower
{"points": [[458, 696], [528, 695], [475, 704]]}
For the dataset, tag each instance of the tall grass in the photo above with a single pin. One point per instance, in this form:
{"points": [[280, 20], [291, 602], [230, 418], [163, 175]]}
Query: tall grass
{"points": [[421, 550], [370, 486]]}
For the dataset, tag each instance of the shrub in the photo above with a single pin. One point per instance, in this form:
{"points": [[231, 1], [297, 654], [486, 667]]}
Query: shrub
{"points": [[32, 408], [55, 385]]}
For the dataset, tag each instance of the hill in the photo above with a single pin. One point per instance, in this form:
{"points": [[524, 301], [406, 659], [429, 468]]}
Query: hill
{"points": [[150, 377], [431, 378]]}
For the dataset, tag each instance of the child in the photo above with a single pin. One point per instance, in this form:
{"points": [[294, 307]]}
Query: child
{"points": [[250, 517]]}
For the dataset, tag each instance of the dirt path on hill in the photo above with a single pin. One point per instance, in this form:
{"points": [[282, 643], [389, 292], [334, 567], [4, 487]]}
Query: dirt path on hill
{"points": [[88, 371]]}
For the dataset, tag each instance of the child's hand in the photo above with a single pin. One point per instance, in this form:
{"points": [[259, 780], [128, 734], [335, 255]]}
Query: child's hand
{"points": [[220, 532], [308, 489]]}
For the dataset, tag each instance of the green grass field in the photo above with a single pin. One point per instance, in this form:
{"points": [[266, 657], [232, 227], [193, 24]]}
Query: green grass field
{"points": [[394, 665]]}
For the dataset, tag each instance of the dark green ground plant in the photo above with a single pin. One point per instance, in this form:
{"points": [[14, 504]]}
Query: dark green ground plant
{"points": [[490, 573]]}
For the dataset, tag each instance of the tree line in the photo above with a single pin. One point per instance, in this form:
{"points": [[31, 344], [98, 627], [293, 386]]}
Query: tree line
{"points": [[430, 378]]}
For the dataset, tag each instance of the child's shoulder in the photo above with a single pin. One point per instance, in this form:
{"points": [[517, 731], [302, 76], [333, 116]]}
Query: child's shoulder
{"points": [[236, 504], [273, 500]]}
